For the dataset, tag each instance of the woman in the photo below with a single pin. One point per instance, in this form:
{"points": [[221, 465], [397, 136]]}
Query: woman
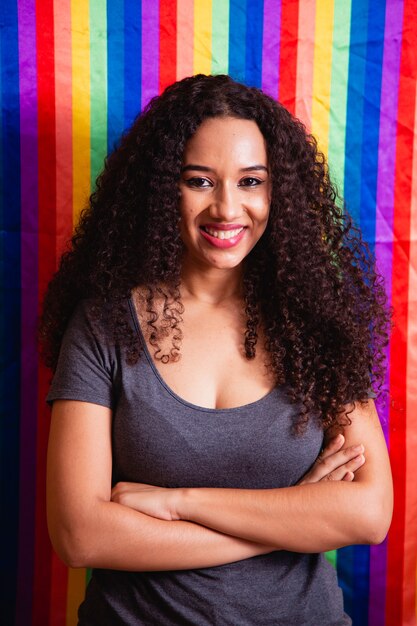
{"points": [[218, 323]]}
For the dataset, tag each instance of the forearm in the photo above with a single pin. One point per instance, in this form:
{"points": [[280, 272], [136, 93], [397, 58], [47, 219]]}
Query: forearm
{"points": [[118, 537], [308, 518]]}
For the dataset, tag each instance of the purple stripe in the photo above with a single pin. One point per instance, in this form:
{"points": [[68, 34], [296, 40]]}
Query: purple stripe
{"points": [[270, 47], [383, 246], [150, 51], [29, 294]]}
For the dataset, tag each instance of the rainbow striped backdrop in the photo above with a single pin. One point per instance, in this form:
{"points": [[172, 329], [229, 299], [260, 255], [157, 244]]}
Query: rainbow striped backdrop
{"points": [[74, 74]]}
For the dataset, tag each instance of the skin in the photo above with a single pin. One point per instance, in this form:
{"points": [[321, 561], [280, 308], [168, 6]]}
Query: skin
{"points": [[340, 501]]}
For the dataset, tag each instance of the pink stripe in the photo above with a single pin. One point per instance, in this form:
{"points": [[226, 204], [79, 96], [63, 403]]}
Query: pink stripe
{"points": [[150, 51], [270, 46], [185, 38], [29, 307], [63, 121], [383, 247], [305, 61]]}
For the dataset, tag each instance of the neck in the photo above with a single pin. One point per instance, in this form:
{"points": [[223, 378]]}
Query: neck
{"points": [[211, 285]]}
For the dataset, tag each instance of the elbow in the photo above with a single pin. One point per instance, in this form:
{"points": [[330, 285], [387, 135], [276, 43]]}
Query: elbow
{"points": [[70, 546], [377, 522], [378, 531]]}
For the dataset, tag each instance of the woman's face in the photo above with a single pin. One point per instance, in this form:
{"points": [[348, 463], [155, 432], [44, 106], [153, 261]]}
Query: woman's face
{"points": [[225, 192]]}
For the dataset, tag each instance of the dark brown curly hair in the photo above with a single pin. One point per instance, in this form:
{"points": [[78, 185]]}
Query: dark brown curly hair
{"points": [[310, 282]]}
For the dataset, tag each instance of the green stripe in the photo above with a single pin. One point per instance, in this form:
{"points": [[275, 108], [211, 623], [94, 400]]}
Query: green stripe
{"points": [[98, 73], [331, 556], [338, 91], [338, 106], [220, 37]]}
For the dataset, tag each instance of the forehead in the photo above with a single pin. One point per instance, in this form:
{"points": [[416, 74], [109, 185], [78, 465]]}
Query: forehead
{"points": [[227, 138]]}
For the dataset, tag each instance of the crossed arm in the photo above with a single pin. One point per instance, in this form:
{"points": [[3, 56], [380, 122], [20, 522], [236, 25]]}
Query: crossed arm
{"points": [[141, 527]]}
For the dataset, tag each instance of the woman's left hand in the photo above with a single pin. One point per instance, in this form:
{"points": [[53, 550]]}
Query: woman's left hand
{"points": [[159, 502], [335, 463]]}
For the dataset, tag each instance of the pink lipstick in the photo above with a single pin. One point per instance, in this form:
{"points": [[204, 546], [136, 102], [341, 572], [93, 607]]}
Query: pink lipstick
{"points": [[221, 235]]}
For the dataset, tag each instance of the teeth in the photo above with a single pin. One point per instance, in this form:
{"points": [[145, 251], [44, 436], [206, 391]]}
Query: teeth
{"points": [[223, 234]]}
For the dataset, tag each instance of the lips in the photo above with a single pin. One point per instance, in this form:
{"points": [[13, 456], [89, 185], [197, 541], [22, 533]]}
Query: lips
{"points": [[223, 235]]}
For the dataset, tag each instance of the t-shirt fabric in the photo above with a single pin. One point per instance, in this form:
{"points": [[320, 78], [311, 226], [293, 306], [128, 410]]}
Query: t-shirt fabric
{"points": [[161, 439]]}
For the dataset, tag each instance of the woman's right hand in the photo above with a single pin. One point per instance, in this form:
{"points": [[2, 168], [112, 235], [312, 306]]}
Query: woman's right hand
{"points": [[335, 464]]}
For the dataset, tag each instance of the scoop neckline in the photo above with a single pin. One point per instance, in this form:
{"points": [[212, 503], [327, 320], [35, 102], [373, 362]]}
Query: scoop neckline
{"points": [[171, 392]]}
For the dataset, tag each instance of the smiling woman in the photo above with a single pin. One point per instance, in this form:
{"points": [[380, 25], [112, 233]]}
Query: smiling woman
{"points": [[224, 213], [215, 332]]}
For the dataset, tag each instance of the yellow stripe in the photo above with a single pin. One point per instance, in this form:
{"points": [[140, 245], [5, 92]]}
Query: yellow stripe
{"points": [[75, 594], [80, 104], [322, 72], [202, 36]]}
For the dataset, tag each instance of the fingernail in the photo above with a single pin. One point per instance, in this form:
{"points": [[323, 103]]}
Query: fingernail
{"points": [[358, 448]]}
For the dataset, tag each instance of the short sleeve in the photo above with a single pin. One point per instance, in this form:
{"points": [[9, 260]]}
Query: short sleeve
{"points": [[86, 364]]}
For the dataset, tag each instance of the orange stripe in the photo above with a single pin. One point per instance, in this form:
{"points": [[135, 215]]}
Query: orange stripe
{"points": [[75, 594], [81, 106]]}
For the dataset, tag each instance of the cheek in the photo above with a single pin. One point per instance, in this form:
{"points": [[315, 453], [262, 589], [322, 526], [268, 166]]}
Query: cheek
{"points": [[262, 211], [186, 223], [188, 210]]}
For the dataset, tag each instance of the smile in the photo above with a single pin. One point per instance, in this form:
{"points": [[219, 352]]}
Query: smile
{"points": [[222, 238], [223, 234]]}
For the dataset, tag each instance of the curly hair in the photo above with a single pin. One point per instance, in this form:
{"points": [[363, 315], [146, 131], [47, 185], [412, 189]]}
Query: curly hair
{"points": [[310, 282]]}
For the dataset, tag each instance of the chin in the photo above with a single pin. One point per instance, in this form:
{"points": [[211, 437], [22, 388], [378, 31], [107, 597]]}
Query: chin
{"points": [[225, 263]]}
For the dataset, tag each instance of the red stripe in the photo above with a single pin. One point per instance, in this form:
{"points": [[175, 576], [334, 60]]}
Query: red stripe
{"points": [[395, 613], [58, 593], [167, 43], [288, 54], [46, 243]]}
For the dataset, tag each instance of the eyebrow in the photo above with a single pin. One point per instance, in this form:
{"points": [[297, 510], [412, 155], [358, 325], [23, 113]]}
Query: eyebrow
{"points": [[204, 168]]}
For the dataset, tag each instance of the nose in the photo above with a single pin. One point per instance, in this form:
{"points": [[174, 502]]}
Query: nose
{"points": [[226, 204]]}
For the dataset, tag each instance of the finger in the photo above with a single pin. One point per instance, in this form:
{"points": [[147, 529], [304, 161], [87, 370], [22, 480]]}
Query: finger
{"points": [[348, 477], [339, 458], [333, 446], [351, 466], [326, 465]]}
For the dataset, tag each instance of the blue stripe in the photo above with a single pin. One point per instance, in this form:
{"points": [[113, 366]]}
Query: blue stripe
{"points": [[10, 296], [355, 106], [237, 40], [345, 575], [361, 170], [133, 66], [254, 33], [348, 558], [367, 216], [115, 72], [360, 582], [371, 112]]}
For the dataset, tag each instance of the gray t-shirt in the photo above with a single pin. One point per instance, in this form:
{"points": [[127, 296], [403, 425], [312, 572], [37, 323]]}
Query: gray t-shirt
{"points": [[160, 439]]}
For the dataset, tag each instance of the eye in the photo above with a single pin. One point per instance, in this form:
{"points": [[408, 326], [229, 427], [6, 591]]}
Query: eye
{"points": [[198, 182], [250, 181]]}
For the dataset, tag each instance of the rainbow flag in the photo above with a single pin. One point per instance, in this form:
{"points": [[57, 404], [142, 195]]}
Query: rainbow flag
{"points": [[74, 73]]}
